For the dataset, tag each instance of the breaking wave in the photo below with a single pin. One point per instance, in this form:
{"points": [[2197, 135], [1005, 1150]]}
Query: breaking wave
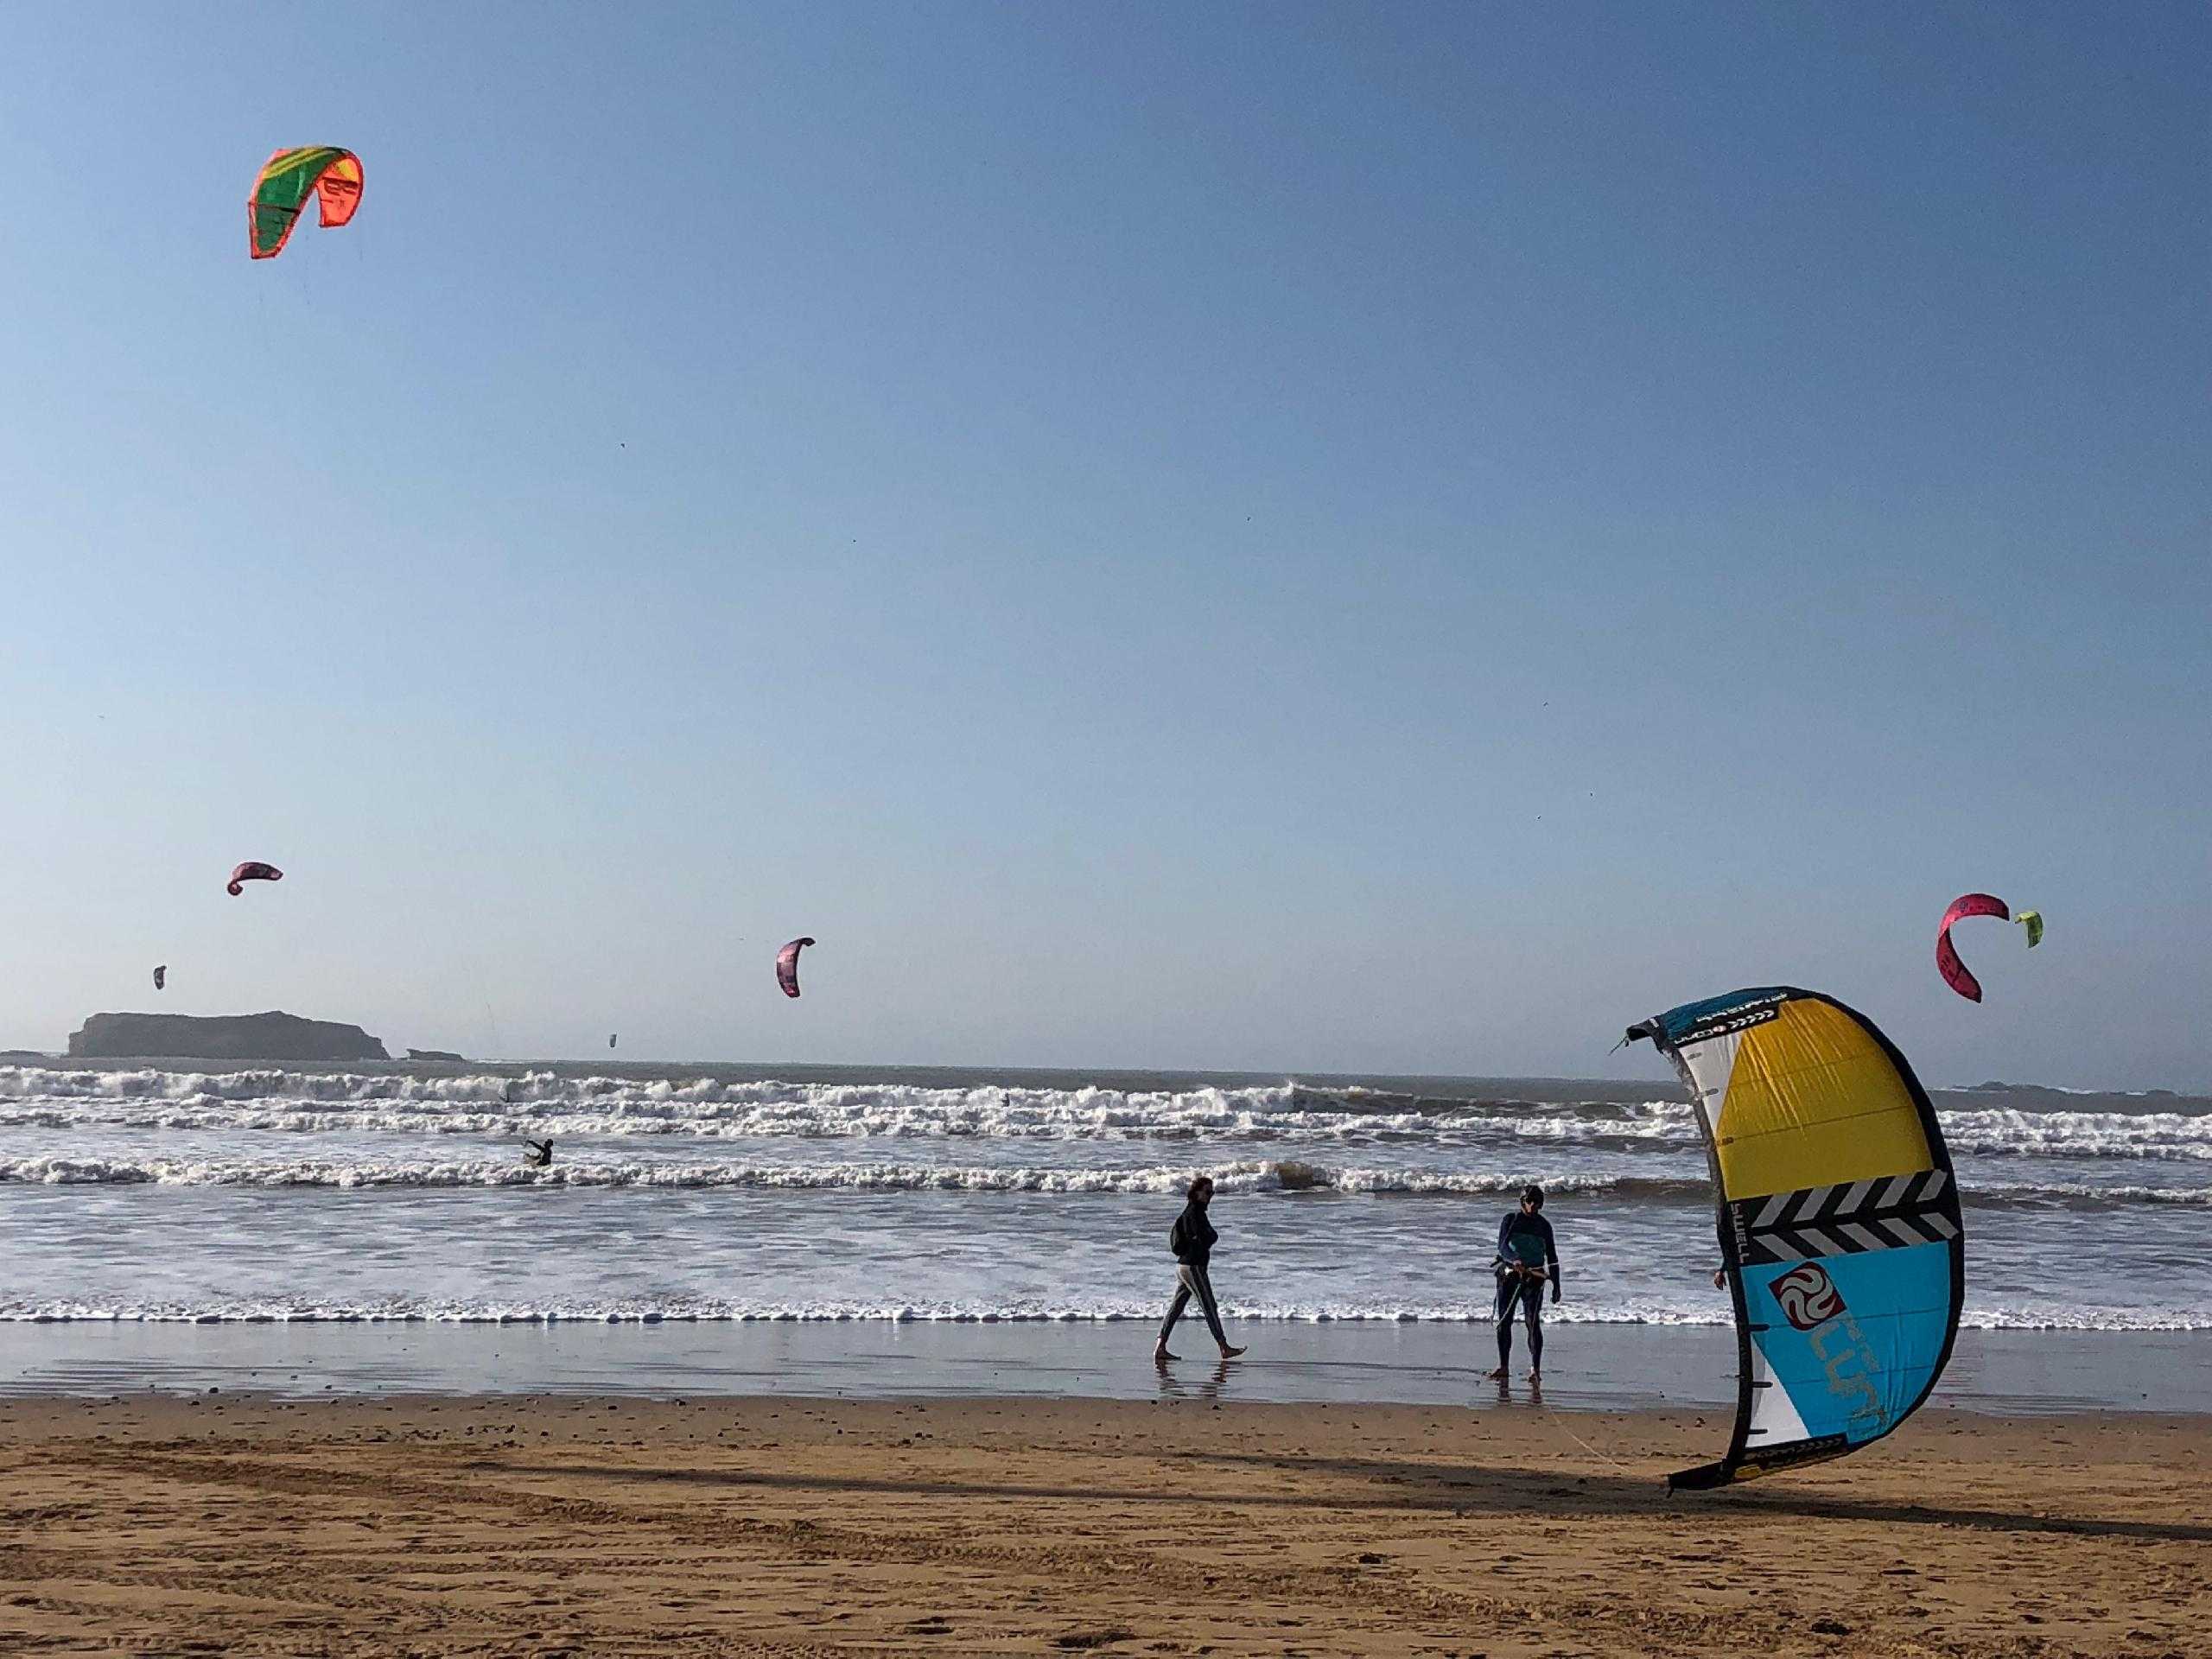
{"points": [[63, 1311], [1283, 1176], [544, 1103], [704, 1107]]}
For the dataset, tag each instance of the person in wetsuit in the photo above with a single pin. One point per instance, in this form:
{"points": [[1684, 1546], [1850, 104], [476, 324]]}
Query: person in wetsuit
{"points": [[540, 1153], [1526, 1256], [1193, 1239]]}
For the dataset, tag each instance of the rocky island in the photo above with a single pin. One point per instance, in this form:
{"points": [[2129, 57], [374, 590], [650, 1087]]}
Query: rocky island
{"points": [[271, 1036]]}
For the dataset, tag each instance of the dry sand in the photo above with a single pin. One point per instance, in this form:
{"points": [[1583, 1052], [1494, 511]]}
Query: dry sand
{"points": [[782, 1526]]}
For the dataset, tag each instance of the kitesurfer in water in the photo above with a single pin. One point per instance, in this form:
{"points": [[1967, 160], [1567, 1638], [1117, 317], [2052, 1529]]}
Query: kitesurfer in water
{"points": [[1527, 1258], [540, 1153], [1193, 1239]]}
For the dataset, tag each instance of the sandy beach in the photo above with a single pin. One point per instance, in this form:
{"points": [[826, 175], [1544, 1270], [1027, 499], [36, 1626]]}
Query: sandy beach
{"points": [[521, 1526]]}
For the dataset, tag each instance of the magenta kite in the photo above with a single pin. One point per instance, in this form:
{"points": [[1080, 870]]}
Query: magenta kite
{"points": [[787, 966], [1954, 972]]}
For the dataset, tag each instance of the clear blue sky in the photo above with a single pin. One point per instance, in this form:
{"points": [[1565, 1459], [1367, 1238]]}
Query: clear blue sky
{"points": [[1300, 538]]}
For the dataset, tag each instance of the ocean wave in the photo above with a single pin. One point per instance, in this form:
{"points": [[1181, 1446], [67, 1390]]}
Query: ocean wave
{"points": [[2055, 1317], [49, 1097], [1285, 1175], [642, 1094], [543, 1102], [810, 1121], [2006, 1133], [1271, 1176]]}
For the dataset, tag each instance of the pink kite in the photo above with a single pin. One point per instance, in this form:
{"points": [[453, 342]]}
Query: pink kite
{"points": [[252, 870], [1946, 958], [787, 966]]}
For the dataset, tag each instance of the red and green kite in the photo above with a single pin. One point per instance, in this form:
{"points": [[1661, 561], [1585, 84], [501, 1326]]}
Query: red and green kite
{"points": [[280, 194]]}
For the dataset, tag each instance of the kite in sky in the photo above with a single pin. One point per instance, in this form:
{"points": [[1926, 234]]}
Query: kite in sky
{"points": [[280, 194], [1947, 963], [162, 977], [252, 870], [787, 966], [1840, 1234]]}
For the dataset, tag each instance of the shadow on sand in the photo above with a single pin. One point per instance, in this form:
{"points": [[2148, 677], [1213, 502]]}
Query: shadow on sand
{"points": [[1462, 1489]]}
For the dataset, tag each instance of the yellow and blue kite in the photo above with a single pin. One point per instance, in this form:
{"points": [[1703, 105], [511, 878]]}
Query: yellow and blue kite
{"points": [[1838, 1221]]}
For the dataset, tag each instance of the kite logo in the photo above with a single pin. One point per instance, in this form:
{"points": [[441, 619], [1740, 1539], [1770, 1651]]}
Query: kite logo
{"points": [[1851, 1373], [1808, 1297], [1810, 1301]]}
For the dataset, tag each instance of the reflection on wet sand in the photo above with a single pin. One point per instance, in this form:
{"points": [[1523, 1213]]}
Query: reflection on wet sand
{"points": [[1208, 1387]]}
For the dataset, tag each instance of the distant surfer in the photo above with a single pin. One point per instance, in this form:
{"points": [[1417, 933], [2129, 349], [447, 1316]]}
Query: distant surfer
{"points": [[1527, 1258], [1193, 1239], [539, 1154]]}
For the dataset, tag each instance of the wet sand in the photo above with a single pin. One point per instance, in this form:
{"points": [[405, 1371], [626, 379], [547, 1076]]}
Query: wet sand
{"points": [[1592, 1367], [519, 1526]]}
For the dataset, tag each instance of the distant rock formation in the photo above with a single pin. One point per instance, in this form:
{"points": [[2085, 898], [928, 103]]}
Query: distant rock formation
{"points": [[271, 1036], [435, 1054]]}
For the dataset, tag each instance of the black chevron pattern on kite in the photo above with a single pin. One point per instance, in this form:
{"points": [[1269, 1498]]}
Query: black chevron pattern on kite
{"points": [[1887, 1213]]}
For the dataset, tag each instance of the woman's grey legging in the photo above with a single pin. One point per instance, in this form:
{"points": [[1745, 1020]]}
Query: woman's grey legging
{"points": [[1191, 1278]]}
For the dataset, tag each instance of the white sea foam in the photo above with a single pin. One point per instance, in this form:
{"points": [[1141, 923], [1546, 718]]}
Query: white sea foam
{"points": [[814, 1120], [1251, 1176], [275, 1099], [702, 1312], [2002, 1133], [545, 1104], [1285, 1176]]}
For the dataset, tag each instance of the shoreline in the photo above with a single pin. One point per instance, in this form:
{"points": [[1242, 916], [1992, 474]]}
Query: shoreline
{"points": [[510, 1527], [1590, 1367]]}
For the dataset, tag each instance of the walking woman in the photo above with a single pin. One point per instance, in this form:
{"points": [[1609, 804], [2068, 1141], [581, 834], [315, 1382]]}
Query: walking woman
{"points": [[1192, 1240]]}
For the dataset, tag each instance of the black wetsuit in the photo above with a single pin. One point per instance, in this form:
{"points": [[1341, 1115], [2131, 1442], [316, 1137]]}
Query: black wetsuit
{"points": [[1192, 1240], [1524, 1291]]}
